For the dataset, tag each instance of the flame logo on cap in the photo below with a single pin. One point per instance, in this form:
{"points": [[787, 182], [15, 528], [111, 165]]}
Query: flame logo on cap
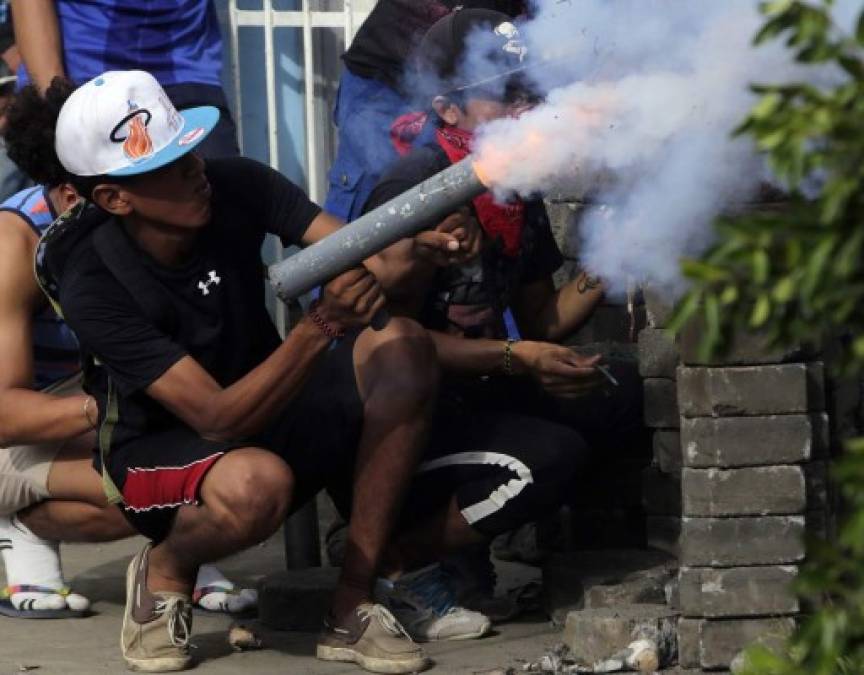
{"points": [[137, 144]]}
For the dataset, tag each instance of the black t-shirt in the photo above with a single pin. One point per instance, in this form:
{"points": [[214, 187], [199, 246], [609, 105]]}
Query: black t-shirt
{"points": [[215, 312], [470, 300], [395, 27]]}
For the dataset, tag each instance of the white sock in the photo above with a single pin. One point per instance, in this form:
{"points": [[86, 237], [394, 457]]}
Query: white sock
{"points": [[33, 561], [213, 591]]}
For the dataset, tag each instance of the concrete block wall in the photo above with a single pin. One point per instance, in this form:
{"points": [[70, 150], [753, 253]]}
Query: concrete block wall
{"points": [[745, 441], [661, 482], [754, 438]]}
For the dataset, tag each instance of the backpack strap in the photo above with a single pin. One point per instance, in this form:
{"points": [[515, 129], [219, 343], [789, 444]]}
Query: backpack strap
{"points": [[124, 262], [57, 242], [106, 430]]}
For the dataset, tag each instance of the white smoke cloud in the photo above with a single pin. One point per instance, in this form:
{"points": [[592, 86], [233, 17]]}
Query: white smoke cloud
{"points": [[655, 89]]}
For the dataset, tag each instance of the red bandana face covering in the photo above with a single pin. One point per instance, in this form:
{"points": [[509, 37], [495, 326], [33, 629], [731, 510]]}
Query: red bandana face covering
{"points": [[504, 220]]}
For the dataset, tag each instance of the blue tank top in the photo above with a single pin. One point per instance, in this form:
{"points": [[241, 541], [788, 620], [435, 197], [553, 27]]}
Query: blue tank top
{"points": [[55, 347], [176, 41]]}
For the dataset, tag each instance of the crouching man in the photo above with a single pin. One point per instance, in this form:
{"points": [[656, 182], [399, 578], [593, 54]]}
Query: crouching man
{"points": [[212, 429], [519, 421], [48, 489]]}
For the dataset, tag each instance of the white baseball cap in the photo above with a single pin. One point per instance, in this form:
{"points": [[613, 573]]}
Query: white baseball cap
{"points": [[122, 123]]}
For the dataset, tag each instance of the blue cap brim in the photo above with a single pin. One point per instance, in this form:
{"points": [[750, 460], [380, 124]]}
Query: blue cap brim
{"points": [[197, 124]]}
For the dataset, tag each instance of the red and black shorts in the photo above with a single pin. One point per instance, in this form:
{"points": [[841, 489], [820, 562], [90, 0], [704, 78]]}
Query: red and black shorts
{"points": [[318, 433]]}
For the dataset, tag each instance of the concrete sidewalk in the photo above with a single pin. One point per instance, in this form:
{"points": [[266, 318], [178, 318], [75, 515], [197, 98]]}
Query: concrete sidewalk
{"points": [[90, 646]]}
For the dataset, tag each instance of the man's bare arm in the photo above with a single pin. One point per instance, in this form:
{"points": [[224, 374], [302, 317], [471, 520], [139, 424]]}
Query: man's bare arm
{"points": [[27, 416], [248, 405], [245, 407], [543, 313], [37, 34]]}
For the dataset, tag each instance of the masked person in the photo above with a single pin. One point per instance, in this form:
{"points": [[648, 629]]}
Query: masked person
{"points": [[518, 419], [376, 87]]}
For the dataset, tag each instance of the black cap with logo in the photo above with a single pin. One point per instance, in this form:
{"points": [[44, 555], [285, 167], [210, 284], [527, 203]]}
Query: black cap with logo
{"points": [[472, 51]]}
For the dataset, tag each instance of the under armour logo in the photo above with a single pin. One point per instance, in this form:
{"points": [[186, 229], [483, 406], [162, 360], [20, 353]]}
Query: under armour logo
{"points": [[210, 281]]}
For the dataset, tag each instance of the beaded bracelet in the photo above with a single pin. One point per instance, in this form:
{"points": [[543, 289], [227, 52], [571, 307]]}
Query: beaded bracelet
{"points": [[508, 357], [322, 325]]}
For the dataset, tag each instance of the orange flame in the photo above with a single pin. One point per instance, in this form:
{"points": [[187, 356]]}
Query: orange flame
{"points": [[577, 120], [138, 143]]}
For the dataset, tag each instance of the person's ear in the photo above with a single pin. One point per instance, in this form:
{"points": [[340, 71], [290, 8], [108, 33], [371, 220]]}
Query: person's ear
{"points": [[112, 198], [448, 111], [68, 196]]}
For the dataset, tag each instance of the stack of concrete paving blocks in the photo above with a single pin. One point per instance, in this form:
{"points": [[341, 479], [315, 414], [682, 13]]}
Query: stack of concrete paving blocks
{"points": [[753, 436], [661, 482]]}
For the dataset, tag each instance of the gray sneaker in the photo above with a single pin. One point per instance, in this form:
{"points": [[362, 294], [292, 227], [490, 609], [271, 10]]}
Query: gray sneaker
{"points": [[372, 638], [156, 626], [425, 603]]}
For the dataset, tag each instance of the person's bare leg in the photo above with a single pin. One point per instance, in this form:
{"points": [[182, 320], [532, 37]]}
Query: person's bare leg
{"points": [[430, 540], [244, 499], [397, 375], [32, 557], [60, 520], [76, 510]]}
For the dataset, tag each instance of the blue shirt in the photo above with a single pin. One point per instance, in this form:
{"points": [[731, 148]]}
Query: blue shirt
{"points": [[55, 347], [177, 41]]}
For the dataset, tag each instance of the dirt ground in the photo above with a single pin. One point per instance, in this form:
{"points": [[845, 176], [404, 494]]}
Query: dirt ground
{"points": [[91, 646]]}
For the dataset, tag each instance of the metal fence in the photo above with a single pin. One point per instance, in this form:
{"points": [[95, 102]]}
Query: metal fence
{"points": [[282, 59], [283, 67]]}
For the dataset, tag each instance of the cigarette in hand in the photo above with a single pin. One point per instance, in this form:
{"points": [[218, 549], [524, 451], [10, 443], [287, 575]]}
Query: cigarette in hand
{"points": [[609, 376]]}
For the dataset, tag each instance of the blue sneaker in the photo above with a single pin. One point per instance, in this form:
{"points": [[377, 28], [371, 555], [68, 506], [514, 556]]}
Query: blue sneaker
{"points": [[425, 604]]}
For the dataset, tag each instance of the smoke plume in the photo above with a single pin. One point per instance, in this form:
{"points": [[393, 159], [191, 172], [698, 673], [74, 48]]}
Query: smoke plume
{"points": [[642, 98]]}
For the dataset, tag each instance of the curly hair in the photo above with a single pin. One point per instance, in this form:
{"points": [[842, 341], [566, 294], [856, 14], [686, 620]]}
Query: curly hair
{"points": [[30, 131]]}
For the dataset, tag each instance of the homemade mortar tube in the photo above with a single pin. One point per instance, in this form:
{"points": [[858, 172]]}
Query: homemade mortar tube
{"points": [[424, 205]]}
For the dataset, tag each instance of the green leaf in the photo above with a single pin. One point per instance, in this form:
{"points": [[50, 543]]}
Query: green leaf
{"points": [[784, 290], [858, 348], [760, 266], [685, 309], [703, 271], [761, 311], [767, 106], [729, 295], [771, 141]]}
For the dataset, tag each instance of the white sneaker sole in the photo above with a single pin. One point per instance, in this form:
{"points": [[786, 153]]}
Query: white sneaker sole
{"points": [[482, 632], [162, 665], [371, 663]]}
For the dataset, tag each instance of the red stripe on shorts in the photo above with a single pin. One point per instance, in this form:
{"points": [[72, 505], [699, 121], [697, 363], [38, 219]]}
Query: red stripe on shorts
{"points": [[162, 487]]}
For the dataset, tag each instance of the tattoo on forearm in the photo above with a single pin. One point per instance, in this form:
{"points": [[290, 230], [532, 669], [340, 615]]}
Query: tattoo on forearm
{"points": [[585, 282]]}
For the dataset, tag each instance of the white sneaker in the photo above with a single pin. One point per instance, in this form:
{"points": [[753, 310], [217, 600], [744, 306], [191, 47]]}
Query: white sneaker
{"points": [[425, 604]]}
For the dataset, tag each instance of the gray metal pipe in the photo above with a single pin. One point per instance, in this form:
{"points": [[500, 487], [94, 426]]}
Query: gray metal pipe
{"points": [[420, 207]]}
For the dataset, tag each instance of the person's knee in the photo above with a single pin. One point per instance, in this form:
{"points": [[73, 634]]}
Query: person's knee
{"points": [[398, 363], [563, 455], [249, 492]]}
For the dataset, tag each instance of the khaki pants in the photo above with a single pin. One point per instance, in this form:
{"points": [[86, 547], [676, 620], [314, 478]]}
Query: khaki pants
{"points": [[24, 468]]}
